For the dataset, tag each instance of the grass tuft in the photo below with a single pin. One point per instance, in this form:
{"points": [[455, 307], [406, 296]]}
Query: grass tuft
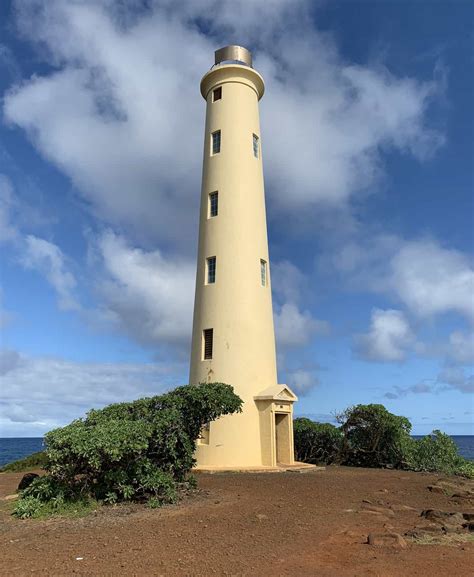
{"points": [[34, 461], [33, 508]]}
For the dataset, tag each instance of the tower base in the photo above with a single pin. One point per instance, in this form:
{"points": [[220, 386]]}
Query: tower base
{"points": [[296, 467]]}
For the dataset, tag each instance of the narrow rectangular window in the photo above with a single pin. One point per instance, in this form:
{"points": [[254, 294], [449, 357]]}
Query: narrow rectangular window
{"points": [[213, 204], [255, 145], [207, 337], [217, 94], [211, 269], [263, 272], [216, 142]]}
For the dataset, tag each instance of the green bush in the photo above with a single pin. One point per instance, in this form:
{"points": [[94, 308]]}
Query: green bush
{"points": [[129, 451], [316, 443], [437, 453], [373, 437]]}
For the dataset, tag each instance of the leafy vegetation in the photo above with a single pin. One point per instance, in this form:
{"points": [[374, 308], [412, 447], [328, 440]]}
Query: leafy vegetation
{"points": [[29, 506], [371, 436], [141, 451], [436, 452], [33, 461], [316, 443]]}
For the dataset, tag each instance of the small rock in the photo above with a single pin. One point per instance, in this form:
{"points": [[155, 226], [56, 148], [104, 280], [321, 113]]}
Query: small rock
{"points": [[419, 532], [26, 481], [10, 497], [443, 517], [261, 516], [436, 489], [387, 540], [463, 495], [398, 507], [368, 508], [452, 528]]}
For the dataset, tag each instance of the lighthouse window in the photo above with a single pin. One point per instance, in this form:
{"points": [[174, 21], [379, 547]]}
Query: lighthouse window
{"points": [[208, 335], [217, 94], [216, 142], [211, 269], [263, 272], [213, 203], [255, 145]]}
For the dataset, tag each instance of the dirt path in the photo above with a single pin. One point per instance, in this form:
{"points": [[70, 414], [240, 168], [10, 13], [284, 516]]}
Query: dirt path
{"points": [[247, 524]]}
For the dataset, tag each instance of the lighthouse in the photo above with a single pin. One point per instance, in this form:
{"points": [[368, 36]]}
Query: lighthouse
{"points": [[233, 337]]}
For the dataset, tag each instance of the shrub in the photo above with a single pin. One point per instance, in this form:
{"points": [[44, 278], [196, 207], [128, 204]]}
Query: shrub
{"points": [[436, 452], [316, 443], [373, 437], [129, 451]]}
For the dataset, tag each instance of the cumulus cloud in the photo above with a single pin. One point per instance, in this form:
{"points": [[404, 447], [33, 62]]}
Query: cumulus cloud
{"points": [[455, 377], [288, 282], [33, 252], [149, 296], [450, 377], [36, 391], [424, 276], [302, 382], [48, 259], [430, 279], [461, 347], [108, 113], [388, 338], [293, 327], [296, 328]]}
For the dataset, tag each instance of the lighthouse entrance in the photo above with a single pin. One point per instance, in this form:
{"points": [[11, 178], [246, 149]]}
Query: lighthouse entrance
{"points": [[275, 408], [282, 438]]}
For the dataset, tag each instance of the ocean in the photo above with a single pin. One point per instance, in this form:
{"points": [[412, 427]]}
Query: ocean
{"points": [[17, 448]]}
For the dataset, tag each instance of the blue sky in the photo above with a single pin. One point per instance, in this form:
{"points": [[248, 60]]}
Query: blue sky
{"points": [[367, 143]]}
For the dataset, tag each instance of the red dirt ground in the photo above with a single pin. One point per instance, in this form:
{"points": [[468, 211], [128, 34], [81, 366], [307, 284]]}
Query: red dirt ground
{"points": [[246, 524]]}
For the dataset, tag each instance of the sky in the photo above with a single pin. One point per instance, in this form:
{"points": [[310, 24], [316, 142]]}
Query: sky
{"points": [[367, 144]]}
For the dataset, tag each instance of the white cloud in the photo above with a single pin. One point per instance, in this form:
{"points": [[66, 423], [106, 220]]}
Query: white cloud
{"points": [[8, 231], [150, 296], [296, 328], [461, 347], [456, 378], [48, 259], [121, 114], [288, 282], [430, 279], [388, 338], [40, 393], [293, 327], [426, 277], [302, 381]]}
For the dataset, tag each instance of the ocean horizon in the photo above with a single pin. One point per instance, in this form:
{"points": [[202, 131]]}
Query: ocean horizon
{"points": [[14, 448]]}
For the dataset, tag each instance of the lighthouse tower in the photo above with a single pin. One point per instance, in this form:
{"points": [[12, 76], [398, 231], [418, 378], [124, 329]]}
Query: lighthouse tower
{"points": [[233, 337]]}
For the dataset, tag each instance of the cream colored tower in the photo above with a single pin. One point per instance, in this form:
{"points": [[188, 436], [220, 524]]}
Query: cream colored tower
{"points": [[233, 336]]}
